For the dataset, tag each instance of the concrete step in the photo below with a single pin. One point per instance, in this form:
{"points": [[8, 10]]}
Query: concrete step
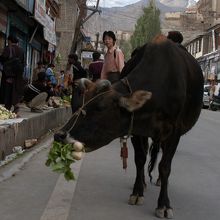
{"points": [[14, 132]]}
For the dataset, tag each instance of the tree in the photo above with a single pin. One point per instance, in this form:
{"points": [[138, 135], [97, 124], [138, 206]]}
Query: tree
{"points": [[147, 26], [125, 46]]}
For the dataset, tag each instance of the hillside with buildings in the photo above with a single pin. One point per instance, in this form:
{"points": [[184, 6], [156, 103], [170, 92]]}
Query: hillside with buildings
{"points": [[198, 22], [123, 19]]}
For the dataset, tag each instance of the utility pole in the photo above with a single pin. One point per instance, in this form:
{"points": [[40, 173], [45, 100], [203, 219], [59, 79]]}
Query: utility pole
{"points": [[97, 41], [81, 20], [94, 10], [82, 14]]}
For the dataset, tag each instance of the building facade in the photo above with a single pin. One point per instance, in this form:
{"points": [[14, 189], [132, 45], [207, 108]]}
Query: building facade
{"points": [[72, 13], [206, 49], [209, 10], [33, 23]]}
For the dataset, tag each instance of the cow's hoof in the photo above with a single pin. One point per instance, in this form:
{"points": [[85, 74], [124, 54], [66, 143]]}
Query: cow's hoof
{"points": [[160, 213], [169, 213], [133, 199], [140, 200], [136, 200], [164, 213]]}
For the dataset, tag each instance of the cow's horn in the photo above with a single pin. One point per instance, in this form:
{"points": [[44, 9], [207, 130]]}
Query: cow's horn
{"points": [[85, 83], [103, 84]]}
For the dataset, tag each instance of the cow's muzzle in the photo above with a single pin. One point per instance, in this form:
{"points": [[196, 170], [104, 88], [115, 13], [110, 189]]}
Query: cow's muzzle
{"points": [[65, 138], [60, 136]]}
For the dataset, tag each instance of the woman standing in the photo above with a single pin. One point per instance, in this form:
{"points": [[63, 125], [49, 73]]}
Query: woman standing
{"points": [[112, 67], [114, 58], [12, 83]]}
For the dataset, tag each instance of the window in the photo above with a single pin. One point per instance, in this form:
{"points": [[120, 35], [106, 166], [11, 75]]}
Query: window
{"points": [[218, 41], [210, 44]]}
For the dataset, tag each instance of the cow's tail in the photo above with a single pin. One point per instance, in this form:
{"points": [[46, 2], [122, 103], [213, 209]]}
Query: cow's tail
{"points": [[153, 151]]}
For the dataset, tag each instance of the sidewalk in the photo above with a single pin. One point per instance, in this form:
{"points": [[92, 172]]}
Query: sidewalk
{"points": [[14, 132]]}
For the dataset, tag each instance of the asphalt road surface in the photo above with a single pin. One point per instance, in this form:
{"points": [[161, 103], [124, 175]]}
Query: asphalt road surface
{"points": [[102, 188]]}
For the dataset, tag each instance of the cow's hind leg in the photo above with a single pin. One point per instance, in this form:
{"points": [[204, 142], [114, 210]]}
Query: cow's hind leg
{"points": [[140, 145], [154, 150], [169, 148]]}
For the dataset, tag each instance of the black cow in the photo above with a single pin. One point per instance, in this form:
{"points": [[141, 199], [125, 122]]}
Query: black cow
{"points": [[159, 97]]}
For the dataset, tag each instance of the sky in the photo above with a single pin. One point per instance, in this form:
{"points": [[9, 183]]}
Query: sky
{"points": [[114, 3]]}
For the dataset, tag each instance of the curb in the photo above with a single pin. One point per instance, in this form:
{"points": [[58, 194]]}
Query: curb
{"points": [[16, 165]]}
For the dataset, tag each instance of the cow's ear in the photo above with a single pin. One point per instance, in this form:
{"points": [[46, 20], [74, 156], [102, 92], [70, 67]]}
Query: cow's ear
{"points": [[135, 101]]}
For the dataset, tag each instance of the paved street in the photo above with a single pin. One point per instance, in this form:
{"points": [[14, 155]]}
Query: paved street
{"points": [[103, 187]]}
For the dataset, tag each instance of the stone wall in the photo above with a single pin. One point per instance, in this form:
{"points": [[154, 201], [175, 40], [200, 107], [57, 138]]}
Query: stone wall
{"points": [[65, 28]]}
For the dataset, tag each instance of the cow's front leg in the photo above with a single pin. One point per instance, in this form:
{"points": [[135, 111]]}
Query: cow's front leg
{"points": [[169, 148], [140, 145]]}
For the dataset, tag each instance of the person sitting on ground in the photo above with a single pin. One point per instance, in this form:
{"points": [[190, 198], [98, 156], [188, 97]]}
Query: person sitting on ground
{"points": [[40, 68], [95, 67], [50, 75], [37, 93]]}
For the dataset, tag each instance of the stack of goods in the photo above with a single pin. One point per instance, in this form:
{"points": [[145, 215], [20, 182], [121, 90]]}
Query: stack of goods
{"points": [[5, 114]]}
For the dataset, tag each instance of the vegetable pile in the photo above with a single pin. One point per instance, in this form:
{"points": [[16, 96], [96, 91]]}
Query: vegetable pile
{"points": [[61, 156], [5, 114]]}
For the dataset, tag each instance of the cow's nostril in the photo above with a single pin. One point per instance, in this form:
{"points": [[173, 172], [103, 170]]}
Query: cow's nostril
{"points": [[60, 136]]}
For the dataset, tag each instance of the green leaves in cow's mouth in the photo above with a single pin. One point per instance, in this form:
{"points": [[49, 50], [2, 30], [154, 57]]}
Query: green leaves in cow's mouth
{"points": [[61, 156]]}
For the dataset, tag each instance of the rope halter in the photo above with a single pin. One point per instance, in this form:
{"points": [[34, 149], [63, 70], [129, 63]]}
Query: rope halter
{"points": [[81, 110]]}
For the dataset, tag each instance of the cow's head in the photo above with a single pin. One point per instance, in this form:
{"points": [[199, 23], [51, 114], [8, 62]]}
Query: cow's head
{"points": [[104, 116]]}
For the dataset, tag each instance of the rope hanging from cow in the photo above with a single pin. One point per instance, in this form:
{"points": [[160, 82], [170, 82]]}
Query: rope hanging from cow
{"points": [[123, 140]]}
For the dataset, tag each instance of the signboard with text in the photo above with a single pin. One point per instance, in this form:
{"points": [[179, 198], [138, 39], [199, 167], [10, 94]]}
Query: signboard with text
{"points": [[49, 30], [40, 11]]}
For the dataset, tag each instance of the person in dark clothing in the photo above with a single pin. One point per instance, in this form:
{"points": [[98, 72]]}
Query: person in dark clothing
{"points": [[175, 36], [12, 82], [78, 73], [37, 93], [95, 67], [40, 68]]}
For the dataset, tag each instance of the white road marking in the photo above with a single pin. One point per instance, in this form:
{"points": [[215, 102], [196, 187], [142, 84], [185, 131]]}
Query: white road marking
{"points": [[59, 204]]}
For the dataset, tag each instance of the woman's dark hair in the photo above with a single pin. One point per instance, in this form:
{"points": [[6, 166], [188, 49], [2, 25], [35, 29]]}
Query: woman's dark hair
{"points": [[175, 36], [96, 55], [109, 34], [51, 65], [13, 39]]}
